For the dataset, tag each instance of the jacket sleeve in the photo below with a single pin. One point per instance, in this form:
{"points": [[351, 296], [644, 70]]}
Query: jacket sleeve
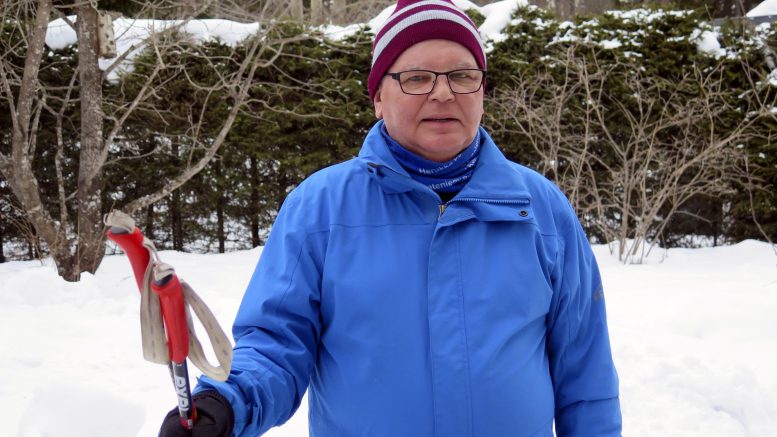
{"points": [[585, 382], [277, 327]]}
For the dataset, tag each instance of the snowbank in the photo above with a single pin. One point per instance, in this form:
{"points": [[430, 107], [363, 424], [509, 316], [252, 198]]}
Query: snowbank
{"points": [[693, 335]]}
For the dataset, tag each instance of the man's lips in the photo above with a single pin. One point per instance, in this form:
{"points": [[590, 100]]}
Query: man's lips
{"points": [[440, 119]]}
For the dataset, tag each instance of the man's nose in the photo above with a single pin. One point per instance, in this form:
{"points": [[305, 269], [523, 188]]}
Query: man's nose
{"points": [[442, 89]]}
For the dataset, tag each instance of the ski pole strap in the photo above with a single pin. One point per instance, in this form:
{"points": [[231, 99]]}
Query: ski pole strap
{"points": [[152, 329]]}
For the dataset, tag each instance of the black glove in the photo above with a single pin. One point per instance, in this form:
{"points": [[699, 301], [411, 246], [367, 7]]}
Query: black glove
{"points": [[214, 418]]}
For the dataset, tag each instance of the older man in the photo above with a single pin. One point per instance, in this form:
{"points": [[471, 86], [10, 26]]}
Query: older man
{"points": [[428, 287]]}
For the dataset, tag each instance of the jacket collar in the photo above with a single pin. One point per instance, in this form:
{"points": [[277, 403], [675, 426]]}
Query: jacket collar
{"points": [[495, 178]]}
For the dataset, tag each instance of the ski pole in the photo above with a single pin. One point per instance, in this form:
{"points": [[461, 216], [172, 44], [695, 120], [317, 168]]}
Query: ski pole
{"points": [[165, 284]]}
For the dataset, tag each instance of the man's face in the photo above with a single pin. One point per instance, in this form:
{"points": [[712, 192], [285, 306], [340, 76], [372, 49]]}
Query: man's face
{"points": [[441, 124]]}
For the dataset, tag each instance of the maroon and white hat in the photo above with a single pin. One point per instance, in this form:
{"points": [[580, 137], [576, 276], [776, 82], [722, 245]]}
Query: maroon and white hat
{"points": [[414, 21]]}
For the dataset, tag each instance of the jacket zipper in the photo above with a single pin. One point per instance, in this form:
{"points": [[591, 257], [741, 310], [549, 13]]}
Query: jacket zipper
{"points": [[444, 206], [522, 201]]}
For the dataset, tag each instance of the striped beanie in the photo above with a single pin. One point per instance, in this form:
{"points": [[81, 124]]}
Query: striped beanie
{"points": [[414, 21]]}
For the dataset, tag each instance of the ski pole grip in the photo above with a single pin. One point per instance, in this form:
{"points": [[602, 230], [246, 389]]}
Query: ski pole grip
{"points": [[168, 288], [132, 244]]}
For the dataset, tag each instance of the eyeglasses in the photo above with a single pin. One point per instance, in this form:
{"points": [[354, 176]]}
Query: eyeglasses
{"points": [[420, 82]]}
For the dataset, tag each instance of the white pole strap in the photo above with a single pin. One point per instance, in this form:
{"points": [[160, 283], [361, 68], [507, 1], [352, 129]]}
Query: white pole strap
{"points": [[152, 328]]}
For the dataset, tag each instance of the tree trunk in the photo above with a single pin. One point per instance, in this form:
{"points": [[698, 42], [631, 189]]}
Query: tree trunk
{"points": [[566, 9], [91, 247], [177, 222], [253, 208], [150, 222], [336, 11], [296, 10], [315, 11], [17, 168], [187, 8], [2, 250], [220, 206]]}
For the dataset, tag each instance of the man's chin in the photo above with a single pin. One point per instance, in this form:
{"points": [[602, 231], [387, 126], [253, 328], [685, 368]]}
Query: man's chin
{"points": [[440, 148]]}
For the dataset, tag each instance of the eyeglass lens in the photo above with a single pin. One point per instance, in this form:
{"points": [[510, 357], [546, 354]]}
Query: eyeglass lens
{"points": [[422, 82]]}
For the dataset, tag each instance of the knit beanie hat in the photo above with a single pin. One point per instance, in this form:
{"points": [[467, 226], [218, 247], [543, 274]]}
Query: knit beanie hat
{"points": [[414, 21]]}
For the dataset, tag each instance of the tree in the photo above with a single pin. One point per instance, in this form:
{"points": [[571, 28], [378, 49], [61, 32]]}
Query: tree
{"points": [[71, 226], [566, 9], [304, 112], [636, 132]]}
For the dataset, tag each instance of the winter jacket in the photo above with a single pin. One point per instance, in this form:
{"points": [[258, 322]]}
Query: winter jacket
{"points": [[482, 317]]}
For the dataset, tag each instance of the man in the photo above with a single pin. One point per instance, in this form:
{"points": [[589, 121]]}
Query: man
{"points": [[428, 287]]}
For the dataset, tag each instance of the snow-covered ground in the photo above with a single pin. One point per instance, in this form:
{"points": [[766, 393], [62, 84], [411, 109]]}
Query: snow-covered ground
{"points": [[694, 338], [765, 8]]}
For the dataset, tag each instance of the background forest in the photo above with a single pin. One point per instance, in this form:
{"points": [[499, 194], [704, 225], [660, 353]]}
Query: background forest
{"points": [[659, 124]]}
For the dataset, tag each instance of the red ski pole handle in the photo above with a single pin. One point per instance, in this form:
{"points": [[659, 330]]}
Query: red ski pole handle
{"points": [[169, 290], [132, 244], [170, 295]]}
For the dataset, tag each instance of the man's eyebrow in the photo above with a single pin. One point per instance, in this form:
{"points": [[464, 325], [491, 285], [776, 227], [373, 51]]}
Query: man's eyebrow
{"points": [[462, 64]]}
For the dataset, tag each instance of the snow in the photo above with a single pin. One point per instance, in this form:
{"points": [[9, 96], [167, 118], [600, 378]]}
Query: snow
{"points": [[610, 44], [693, 335], [377, 22], [772, 78], [707, 42], [498, 16], [130, 34], [60, 35], [693, 330], [338, 33], [764, 9], [641, 15], [132, 31]]}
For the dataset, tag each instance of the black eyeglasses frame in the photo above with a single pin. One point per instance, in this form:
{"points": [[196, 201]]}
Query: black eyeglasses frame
{"points": [[437, 74]]}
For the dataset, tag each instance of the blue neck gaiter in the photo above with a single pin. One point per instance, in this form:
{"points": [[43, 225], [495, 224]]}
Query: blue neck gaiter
{"points": [[442, 177]]}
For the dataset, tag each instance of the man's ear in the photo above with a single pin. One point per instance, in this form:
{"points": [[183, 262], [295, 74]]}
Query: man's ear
{"points": [[377, 103]]}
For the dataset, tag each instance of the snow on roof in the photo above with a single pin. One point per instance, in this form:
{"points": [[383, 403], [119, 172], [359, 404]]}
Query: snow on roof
{"points": [[766, 8], [132, 32]]}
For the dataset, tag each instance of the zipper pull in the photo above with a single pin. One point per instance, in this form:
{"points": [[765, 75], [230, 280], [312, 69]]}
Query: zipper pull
{"points": [[442, 209]]}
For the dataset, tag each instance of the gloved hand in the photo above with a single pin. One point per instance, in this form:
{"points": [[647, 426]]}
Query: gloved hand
{"points": [[214, 418]]}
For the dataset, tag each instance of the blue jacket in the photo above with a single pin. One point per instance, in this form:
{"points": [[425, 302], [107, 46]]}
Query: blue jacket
{"points": [[481, 317]]}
